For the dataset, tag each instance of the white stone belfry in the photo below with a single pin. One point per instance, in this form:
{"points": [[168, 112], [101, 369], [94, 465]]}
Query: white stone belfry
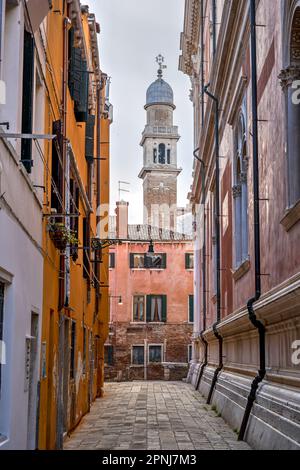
{"points": [[159, 141]]}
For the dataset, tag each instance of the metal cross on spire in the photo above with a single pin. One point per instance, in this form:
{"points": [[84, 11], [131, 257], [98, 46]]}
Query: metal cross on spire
{"points": [[160, 60]]}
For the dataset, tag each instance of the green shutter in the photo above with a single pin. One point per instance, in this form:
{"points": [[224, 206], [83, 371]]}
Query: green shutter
{"points": [[78, 80], [131, 260], [191, 309], [89, 138], [148, 313], [187, 261], [112, 263], [164, 308], [164, 261]]}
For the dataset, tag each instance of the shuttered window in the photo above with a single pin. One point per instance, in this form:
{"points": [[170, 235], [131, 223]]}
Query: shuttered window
{"points": [[86, 247], [191, 309], [189, 261], [144, 261], [112, 260], [56, 169], [27, 100], [78, 80], [89, 138], [156, 308]]}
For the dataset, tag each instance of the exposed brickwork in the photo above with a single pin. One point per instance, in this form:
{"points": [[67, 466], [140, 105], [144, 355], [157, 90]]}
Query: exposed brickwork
{"points": [[175, 339]]}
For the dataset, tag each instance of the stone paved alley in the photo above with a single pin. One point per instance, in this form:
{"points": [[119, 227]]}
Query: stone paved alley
{"points": [[153, 416]]}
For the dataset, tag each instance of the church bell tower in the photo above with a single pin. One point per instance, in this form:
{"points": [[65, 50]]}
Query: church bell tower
{"points": [[159, 141]]}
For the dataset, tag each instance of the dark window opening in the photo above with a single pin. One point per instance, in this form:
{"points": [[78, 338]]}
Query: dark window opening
{"points": [[57, 170], [155, 354], [154, 155], [86, 248], [27, 100], [189, 261], [191, 309], [84, 351], [72, 350], [90, 139], [108, 355], [74, 209], [169, 156], [138, 355], [112, 260], [162, 154]]}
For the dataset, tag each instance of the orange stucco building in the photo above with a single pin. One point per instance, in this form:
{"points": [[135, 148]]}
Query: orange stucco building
{"points": [[75, 311]]}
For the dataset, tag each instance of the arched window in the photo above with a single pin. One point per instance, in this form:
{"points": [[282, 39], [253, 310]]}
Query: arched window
{"points": [[240, 191], [162, 154], [169, 156], [290, 80]]}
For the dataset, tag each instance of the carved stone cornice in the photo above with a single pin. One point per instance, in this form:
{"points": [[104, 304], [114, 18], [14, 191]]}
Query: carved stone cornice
{"points": [[288, 76]]}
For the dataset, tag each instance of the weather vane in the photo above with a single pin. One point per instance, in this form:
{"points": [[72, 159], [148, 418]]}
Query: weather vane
{"points": [[160, 60]]}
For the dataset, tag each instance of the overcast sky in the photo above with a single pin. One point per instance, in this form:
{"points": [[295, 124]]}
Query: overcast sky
{"points": [[133, 33]]}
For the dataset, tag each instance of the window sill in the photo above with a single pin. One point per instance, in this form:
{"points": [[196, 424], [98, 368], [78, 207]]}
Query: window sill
{"points": [[137, 366], [241, 270], [291, 217]]}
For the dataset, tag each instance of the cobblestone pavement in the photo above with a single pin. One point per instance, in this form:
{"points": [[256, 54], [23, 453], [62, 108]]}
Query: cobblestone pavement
{"points": [[152, 416]]}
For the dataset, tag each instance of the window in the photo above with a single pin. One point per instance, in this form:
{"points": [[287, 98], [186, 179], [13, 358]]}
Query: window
{"points": [[156, 308], [56, 169], [108, 355], [155, 353], [27, 100], [240, 191], [137, 261], [189, 261], [72, 351], [144, 261], [191, 309], [89, 139], [86, 246], [138, 355], [78, 79], [190, 352], [169, 156], [84, 351], [138, 308], [2, 287], [162, 154], [290, 75], [112, 260], [155, 155]]}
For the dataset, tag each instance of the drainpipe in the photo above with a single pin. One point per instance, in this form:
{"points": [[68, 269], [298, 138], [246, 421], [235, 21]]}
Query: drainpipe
{"points": [[98, 219], [214, 25], [204, 364], [218, 245], [202, 63], [250, 305]]}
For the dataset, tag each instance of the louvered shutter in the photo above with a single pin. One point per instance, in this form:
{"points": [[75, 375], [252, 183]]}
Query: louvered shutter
{"points": [[89, 138], [164, 309]]}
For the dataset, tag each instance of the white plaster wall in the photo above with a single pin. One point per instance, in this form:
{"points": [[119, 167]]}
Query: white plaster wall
{"points": [[21, 259]]}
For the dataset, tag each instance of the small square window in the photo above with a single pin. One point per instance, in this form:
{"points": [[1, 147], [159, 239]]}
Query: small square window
{"points": [[155, 353], [138, 355]]}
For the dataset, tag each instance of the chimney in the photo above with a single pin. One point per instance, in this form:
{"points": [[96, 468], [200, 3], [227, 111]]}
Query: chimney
{"points": [[122, 219]]}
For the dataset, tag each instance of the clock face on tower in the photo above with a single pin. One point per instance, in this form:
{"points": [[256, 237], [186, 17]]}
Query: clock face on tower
{"points": [[159, 142]]}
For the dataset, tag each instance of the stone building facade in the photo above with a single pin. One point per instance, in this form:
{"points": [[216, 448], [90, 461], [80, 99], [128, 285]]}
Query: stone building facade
{"points": [[246, 209], [151, 304]]}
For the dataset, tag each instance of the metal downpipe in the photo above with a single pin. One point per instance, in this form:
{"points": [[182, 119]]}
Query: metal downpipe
{"points": [[250, 305]]}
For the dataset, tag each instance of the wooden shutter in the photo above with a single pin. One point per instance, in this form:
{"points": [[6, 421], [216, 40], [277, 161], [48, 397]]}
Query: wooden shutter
{"points": [[78, 80], [191, 308], [27, 104], [131, 260], [112, 263], [89, 138], [164, 261], [164, 309], [148, 310], [187, 261]]}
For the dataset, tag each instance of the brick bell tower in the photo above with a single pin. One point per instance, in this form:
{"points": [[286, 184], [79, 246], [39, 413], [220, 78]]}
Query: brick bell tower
{"points": [[159, 141]]}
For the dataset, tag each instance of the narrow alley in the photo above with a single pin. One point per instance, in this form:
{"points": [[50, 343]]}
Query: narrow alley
{"points": [[153, 416]]}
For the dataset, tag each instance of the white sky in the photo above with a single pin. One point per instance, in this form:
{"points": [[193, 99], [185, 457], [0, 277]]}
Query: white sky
{"points": [[133, 33]]}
